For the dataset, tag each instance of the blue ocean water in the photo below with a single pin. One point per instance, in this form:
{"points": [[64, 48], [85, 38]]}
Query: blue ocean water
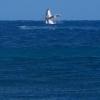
{"points": [[49, 62]]}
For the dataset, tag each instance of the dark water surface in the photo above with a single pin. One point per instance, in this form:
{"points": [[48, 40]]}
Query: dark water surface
{"points": [[44, 62]]}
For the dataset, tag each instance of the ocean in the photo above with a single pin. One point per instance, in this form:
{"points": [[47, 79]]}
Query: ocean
{"points": [[49, 62]]}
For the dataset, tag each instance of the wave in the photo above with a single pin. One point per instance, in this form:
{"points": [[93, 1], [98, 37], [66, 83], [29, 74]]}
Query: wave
{"points": [[56, 27], [37, 27]]}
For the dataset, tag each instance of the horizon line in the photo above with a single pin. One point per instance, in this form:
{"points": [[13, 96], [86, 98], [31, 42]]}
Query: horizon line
{"points": [[58, 20]]}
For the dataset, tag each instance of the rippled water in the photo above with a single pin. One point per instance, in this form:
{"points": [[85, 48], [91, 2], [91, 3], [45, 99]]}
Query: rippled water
{"points": [[44, 62]]}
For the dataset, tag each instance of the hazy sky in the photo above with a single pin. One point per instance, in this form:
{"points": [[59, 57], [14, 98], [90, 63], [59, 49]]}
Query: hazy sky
{"points": [[35, 9]]}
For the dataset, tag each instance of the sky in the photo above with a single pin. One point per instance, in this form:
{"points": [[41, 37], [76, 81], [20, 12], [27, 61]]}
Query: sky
{"points": [[35, 9]]}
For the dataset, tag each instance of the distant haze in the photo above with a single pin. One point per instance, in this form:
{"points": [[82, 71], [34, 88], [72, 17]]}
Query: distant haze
{"points": [[35, 9]]}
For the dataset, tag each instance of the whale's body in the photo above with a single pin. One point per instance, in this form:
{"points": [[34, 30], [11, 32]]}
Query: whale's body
{"points": [[49, 18]]}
